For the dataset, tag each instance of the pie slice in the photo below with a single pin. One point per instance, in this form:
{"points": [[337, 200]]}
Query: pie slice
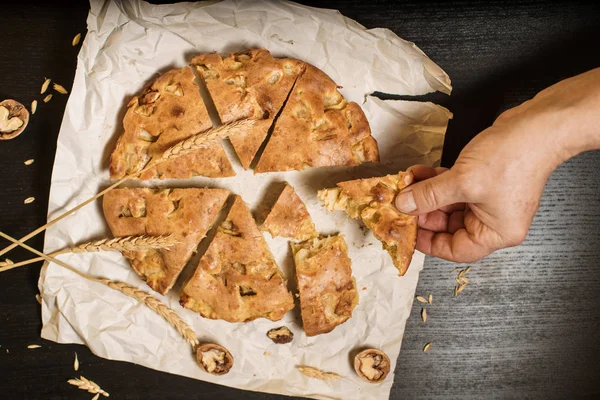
{"points": [[318, 128], [186, 213], [327, 289], [237, 278], [169, 111], [290, 218], [248, 85], [372, 200]]}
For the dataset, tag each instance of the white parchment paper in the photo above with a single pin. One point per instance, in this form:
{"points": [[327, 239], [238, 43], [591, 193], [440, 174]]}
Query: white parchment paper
{"points": [[126, 45]]}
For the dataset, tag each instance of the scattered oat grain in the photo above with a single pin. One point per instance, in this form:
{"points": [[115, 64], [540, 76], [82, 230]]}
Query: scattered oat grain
{"points": [[33, 107], [430, 298], [424, 315], [60, 88], [76, 363], [34, 346], [427, 347], [45, 85], [76, 40], [421, 299], [48, 98], [29, 162], [29, 200]]}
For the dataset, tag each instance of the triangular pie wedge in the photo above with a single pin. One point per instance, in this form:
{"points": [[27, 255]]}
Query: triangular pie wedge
{"points": [[185, 213], [253, 85], [237, 278], [372, 200], [318, 128], [290, 218], [327, 289], [167, 112]]}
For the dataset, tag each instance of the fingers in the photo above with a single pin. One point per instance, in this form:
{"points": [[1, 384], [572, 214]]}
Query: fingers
{"points": [[430, 194], [458, 247], [421, 172]]}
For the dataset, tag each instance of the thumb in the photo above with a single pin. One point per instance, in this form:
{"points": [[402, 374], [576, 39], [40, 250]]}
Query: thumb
{"points": [[429, 194]]}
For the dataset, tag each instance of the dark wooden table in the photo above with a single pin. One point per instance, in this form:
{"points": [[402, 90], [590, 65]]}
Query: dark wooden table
{"points": [[528, 325]]}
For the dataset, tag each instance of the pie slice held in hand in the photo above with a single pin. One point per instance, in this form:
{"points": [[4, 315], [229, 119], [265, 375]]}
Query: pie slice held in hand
{"points": [[318, 128], [372, 200], [237, 278], [185, 213], [327, 289], [168, 111], [253, 85], [290, 218]]}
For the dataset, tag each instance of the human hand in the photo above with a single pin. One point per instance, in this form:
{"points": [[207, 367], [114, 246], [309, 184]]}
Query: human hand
{"points": [[487, 200]]}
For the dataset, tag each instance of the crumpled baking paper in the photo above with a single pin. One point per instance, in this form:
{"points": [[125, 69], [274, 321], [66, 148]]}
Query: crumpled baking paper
{"points": [[127, 44]]}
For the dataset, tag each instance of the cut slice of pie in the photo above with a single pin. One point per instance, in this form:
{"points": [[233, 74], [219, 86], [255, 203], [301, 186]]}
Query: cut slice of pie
{"points": [[290, 218], [253, 85], [372, 200], [185, 213], [237, 278], [327, 289], [318, 128], [167, 112]]}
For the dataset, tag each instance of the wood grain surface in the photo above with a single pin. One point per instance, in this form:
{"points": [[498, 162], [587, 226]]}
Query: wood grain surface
{"points": [[528, 324]]}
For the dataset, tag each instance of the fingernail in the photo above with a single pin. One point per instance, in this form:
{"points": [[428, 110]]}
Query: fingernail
{"points": [[405, 202]]}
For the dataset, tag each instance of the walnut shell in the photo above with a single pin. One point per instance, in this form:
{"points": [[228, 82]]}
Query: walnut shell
{"points": [[372, 365], [281, 335], [214, 359], [18, 110]]}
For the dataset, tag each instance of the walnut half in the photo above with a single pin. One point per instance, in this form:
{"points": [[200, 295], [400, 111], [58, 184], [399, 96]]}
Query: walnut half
{"points": [[281, 335], [214, 359], [372, 365], [13, 119]]}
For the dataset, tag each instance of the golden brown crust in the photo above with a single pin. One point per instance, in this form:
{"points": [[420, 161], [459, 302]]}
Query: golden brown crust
{"points": [[167, 112], [253, 85], [289, 217], [237, 278], [318, 128], [327, 289], [372, 200], [185, 213]]}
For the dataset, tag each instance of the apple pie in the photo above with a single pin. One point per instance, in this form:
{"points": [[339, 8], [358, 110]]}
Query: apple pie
{"points": [[318, 128], [372, 200], [327, 289], [185, 213], [253, 85], [289, 217], [237, 278], [167, 112]]}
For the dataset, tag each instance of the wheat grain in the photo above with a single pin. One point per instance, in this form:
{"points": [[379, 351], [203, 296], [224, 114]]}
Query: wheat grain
{"points": [[76, 40], [76, 363], [33, 107], [205, 138], [430, 298], [29, 200], [421, 299], [34, 346], [157, 306], [88, 385], [424, 315], [28, 162], [60, 88], [427, 347], [315, 373], [127, 243], [48, 98], [45, 85]]}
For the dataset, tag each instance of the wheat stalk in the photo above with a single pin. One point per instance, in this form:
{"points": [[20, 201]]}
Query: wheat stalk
{"points": [[150, 301], [126, 243], [85, 384], [184, 147]]}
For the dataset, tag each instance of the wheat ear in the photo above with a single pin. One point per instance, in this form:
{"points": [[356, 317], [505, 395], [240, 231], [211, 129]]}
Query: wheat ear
{"points": [[85, 384], [184, 147], [150, 301], [126, 243]]}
